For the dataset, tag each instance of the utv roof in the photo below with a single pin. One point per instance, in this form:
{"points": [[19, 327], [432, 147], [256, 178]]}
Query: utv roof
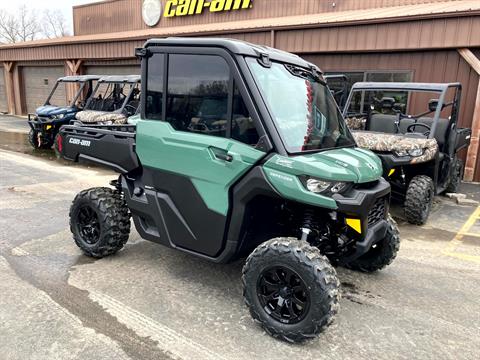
{"points": [[79, 78], [405, 86], [236, 47], [120, 79]]}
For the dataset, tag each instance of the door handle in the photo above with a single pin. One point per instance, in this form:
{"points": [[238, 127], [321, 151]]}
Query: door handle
{"points": [[224, 157]]}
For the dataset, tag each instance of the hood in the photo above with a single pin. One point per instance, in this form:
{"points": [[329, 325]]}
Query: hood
{"points": [[345, 164], [51, 110]]}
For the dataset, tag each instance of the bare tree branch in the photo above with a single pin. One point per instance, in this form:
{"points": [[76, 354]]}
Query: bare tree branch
{"points": [[26, 25]]}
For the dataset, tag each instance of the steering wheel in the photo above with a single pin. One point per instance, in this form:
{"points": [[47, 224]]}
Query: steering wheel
{"points": [[130, 109], [411, 128]]}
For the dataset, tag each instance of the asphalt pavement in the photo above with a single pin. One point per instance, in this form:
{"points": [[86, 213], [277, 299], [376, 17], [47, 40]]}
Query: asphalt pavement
{"points": [[150, 302]]}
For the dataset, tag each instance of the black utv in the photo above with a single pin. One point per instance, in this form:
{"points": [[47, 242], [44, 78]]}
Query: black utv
{"points": [[419, 151]]}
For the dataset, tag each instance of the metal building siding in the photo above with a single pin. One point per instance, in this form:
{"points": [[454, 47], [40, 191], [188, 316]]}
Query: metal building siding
{"points": [[125, 15], [113, 69], [36, 91], [3, 93]]}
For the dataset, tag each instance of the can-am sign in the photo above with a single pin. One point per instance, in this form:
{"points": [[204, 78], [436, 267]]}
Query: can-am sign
{"points": [[196, 7]]}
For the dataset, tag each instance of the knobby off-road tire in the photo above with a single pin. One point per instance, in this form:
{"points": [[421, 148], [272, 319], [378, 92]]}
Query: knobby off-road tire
{"points": [[419, 199], [298, 263], [33, 140], [457, 174], [99, 221], [382, 253]]}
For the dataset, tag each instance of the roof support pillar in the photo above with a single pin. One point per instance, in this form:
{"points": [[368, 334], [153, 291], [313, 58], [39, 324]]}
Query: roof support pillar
{"points": [[272, 38], [72, 68], [474, 148]]}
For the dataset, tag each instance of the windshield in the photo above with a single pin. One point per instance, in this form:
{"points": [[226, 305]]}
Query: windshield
{"points": [[304, 110]]}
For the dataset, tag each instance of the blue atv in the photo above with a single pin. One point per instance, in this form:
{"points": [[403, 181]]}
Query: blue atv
{"points": [[48, 119]]}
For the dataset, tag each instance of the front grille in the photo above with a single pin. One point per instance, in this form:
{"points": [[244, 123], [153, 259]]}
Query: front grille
{"points": [[377, 212]]}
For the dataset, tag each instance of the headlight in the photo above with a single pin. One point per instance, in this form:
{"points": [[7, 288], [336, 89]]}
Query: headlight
{"points": [[412, 152], [416, 152], [318, 186]]}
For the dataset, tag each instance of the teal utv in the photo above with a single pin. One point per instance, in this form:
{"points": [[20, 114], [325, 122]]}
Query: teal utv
{"points": [[240, 151]]}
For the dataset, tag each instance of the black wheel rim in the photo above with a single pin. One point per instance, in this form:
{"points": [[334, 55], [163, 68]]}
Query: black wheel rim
{"points": [[283, 294], [88, 225]]}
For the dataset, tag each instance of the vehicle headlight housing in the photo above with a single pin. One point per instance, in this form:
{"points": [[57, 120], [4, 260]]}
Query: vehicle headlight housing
{"points": [[411, 152], [319, 186]]}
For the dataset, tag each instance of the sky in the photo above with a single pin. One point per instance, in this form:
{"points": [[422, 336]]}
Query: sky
{"points": [[64, 5]]}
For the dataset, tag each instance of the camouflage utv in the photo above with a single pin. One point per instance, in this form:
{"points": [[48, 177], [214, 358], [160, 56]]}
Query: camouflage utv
{"points": [[113, 101], [419, 152]]}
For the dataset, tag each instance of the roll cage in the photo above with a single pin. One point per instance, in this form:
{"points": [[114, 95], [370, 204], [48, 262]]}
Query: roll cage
{"points": [[82, 80]]}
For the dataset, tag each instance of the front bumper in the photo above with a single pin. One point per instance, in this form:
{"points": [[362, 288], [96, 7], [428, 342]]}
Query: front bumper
{"points": [[369, 205]]}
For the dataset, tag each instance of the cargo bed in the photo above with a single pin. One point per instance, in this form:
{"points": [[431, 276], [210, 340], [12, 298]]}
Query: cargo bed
{"points": [[112, 146]]}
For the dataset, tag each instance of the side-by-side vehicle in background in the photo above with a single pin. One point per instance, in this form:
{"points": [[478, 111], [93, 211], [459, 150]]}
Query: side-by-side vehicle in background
{"points": [[48, 118], [419, 151], [113, 101], [240, 150]]}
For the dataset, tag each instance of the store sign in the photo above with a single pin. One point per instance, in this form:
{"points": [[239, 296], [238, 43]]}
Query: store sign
{"points": [[196, 7]]}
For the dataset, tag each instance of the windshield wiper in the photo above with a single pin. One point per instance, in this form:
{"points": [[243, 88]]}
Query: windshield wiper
{"points": [[303, 73]]}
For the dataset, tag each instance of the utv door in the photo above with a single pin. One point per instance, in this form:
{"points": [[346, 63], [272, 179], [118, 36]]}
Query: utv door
{"points": [[185, 145]]}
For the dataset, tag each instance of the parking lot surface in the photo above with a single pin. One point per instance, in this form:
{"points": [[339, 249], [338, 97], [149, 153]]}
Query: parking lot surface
{"points": [[151, 302]]}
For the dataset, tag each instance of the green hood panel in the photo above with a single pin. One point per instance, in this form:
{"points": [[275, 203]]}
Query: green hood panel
{"points": [[347, 164]]}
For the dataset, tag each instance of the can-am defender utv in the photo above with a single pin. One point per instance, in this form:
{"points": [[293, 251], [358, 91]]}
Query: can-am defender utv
{"points": [[419, 152], [114, 100], [283, 183], [48, 119]]}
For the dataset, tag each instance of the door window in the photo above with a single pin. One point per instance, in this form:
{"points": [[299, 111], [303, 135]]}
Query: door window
{"points": [[154, 98], [243, 128], [197, 97]]}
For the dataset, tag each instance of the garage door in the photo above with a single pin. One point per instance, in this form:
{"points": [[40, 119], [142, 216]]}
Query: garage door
{"points": [[38, 81], [113, 70], [3, 94]]}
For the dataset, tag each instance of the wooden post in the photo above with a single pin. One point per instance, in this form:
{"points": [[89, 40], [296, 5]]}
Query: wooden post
{"points": [[272, 38], [7, 68], [474, 148], [72, 69]]}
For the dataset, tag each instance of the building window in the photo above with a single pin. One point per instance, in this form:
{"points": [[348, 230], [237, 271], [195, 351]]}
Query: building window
{"points": [[154, 98], [361, 100], [197, 97]]}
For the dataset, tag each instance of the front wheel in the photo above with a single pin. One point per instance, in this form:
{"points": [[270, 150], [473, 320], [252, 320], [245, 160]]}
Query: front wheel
{"points": [[290, 289], [99, 221], [36, 140], [381, 253], [419, 199]]}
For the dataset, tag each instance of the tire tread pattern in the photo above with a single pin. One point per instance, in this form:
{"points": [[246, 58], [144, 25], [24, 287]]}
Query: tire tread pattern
{"points": [[113, 216], [310, 259], [416, 198]]}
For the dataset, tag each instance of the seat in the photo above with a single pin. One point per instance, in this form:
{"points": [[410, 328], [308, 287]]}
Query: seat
{"points": [[383, 123]]}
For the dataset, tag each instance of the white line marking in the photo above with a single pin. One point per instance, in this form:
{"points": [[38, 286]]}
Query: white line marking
{"points": [[168, 339]]}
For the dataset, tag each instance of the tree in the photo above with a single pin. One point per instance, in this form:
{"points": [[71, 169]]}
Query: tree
{"points": [[54, 24], [26, 25]]}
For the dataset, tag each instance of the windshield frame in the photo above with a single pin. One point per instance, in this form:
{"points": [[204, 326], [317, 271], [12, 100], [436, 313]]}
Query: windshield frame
{"points": [[315, 77]]}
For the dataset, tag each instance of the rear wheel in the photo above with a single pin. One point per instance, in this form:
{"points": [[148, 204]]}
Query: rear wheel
{"points": [[99, 221], [290, 289], [380, 254], [456, 177], [419, 199]]}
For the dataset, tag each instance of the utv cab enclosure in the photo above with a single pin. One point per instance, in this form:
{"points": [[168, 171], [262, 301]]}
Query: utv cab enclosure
{"points": [[48, 119], [240, 150], [419, 152]]}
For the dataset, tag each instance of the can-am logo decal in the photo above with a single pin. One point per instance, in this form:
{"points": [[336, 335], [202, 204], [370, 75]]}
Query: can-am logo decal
{"points": [[80, 142], [196, 7]]}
